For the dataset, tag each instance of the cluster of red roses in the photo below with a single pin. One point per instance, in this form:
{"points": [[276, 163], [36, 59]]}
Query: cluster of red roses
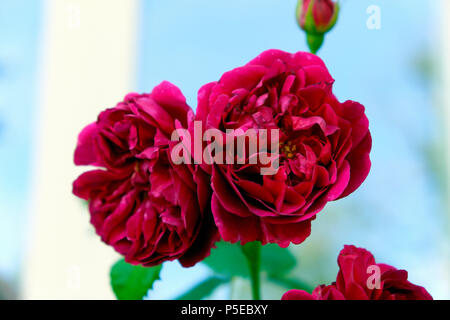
{"points": [[152, 210]]}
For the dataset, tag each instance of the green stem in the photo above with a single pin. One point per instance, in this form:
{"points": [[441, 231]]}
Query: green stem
{"points": [[315, 41], [252, 251]]}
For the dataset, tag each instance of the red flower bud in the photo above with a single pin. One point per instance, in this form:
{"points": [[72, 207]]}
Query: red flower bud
{"points": [[317, 17]]}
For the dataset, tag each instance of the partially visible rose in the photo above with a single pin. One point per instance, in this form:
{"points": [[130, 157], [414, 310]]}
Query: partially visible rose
{"points": [[324, 147], [143, 205], [355, 281], [317, 17]]}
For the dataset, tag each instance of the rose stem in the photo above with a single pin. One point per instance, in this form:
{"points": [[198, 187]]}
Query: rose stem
{"points": [[252, 251]]}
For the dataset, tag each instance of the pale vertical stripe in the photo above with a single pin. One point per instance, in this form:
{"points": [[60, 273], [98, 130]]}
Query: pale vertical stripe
{"points": [[446, 68], [446, 90], [88, 65]]}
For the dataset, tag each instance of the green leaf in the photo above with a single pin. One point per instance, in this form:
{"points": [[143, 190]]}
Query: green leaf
{"points": [[132, 282], [228, 260], [203, 289], [291, 283], [276, 260]]}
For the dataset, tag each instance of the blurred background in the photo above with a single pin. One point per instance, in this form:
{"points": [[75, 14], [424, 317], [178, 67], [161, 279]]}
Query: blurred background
{"points": [[63, 61]]}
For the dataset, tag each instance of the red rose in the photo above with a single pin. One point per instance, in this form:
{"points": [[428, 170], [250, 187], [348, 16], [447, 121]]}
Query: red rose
{"points": [[324, 146], [148, 209], [360, 278]]}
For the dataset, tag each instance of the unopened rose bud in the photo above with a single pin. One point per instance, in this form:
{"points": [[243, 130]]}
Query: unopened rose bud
{"points": [[317, 17]]}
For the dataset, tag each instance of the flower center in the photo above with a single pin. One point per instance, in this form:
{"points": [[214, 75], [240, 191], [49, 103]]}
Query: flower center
{"points": [[288, 149]]}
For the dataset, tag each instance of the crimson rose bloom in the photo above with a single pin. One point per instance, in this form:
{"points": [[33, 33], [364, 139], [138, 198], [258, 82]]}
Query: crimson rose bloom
{"points": [[148, 209], [356, 265], [324, 146]]}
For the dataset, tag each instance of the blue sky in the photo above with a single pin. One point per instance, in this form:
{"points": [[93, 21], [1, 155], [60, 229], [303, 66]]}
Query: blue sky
{"points": [[19, 46]]}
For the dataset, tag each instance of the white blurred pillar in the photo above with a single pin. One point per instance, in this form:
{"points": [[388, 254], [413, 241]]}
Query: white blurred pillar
{"points": [[446, 68], [446, 91], [87, 65]]}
